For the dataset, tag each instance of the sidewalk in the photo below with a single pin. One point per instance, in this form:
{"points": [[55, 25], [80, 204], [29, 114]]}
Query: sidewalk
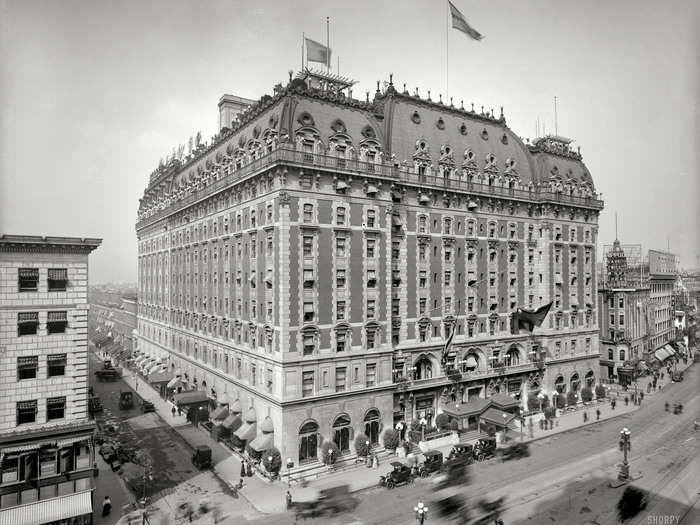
{"points": [[269, 497]]}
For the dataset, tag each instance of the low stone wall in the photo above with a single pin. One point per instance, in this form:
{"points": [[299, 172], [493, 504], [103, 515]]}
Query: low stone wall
{"points": [[443, 440]]}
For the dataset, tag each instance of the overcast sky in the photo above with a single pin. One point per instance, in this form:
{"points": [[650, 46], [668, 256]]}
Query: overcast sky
{"points": [[94, 93]]}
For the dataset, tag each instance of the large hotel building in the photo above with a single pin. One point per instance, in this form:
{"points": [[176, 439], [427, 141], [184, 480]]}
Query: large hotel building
{"points": [[47, 454], [312, 259]]}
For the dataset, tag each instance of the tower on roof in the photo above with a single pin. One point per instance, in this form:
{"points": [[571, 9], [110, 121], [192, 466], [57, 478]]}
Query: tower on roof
{"points": [[316, 79]]}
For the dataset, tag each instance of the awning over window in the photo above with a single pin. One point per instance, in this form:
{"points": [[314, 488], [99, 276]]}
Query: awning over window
{"points": [[29, 273], [57, 316], [220, 414], [28, 317], [175, 382], [664, 353], [263, 442], [470, 362], [48, 510], [58, 274], [247, 431], [159, 377], [424, 199], [371, 188], [27, 361], [268, 277], [233, 422], [341, 185]]}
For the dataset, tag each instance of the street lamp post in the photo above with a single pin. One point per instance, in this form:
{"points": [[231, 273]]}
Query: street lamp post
{"points": [[423, 423], [421, 512], [505, 428], [540, 396], [625, 446], [522, 423]]}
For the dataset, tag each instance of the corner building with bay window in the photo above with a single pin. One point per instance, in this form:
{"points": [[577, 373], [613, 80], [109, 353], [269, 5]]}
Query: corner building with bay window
{"points": [[310, 261]]}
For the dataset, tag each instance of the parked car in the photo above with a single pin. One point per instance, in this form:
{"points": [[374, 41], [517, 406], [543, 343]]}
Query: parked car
{"points": [[462, 450], [400, 475], [202, 457], [484, 448], [516, 451], [677, 377], [147, 406], [108, 452], [432, 463], [126, 400]]}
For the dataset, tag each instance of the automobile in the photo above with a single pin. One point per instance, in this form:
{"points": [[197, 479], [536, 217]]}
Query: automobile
{"points": [[462, 450], [677, 377], [108, 452], [484, 448], [126, 400], [432, 463], [516, 451], [400, 475], [202, 457], [147, 406]]}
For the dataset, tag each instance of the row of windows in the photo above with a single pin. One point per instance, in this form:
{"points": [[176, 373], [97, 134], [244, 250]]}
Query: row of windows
{"points": [[28, 366], [308, 380], [28, 279], [45, 463], [27, 410], [28, 323]]}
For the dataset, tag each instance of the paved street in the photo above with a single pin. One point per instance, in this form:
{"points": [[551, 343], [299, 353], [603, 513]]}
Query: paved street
{"points": [[663, 445]]}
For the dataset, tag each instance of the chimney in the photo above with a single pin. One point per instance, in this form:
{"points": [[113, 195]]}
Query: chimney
{"points": [[230, 106]]}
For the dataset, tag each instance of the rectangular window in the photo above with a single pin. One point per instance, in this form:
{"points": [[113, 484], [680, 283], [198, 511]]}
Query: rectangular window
{"points": [[371, 278], [340, 246], [253, 375], [56, 322], [396, 277], [448, 254], [340, 278], [371, 244], [421, 305], [371, 374], [26, 412], [309, 344], [308, 212], [622, 319], [308, 246], [371, 215], [422, 278], [56, 365], [340, 310], [308, 312], [308, 278], [55, 408], [340, 216], [621, 302], [340, 375], [340, 342], [371, 336], [448, 277], [370, 308], [421, 252], [307, 384], [27, 323], [612, 319], [27, 367], [395, 250], [28, 279], [395, 303], [57, 279]]}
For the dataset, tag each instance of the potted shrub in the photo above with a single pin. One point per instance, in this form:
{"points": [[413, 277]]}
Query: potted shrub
{"points": [[571, 398], [272, 459], [586, 394], [600, 391], [391, 439], [454, 425], [561, 401], [329, 452], [361, 447], [442, 421]]}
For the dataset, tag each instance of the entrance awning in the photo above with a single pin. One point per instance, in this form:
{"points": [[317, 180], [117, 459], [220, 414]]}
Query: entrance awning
{"points": [[474, 407], [159, 377], [497, 417], [194, 397], [48, 510], [263, 442], [233, 422], [664, 353], [503, 401], [175, 382], [247, 431]]}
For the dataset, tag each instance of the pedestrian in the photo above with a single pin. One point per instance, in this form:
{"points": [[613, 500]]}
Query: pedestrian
{"points": [[627, 401], [648, 388], [242, 470], [613, 403], [641, 397], [249, 470], [288, 497], [240, 483], [173, 410], [585, 417], [597, 414], [106, 506], [179, 411], [541, 424]]}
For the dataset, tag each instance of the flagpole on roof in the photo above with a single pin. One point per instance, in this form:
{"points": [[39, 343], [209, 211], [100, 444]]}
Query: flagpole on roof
{"points": [[328, 44], [303, 37], [447, 54]]}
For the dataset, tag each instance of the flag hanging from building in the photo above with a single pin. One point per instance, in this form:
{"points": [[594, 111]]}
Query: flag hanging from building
{"points": [[529, 319], [448, 343], [316, 52], [460, 23]]}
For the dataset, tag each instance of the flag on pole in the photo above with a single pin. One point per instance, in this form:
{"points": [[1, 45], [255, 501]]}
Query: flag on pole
{"points": [[316, 52], [529, 319], [460, 23]]}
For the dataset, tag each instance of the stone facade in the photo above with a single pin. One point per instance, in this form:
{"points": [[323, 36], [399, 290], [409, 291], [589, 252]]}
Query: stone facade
{"points": [[312, 261], [43, 367]]}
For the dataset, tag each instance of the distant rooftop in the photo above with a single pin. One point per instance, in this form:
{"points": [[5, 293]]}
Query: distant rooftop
{"points": [[14, 243]]}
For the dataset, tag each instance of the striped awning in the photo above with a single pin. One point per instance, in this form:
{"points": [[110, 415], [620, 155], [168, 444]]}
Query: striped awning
{"points": [[58, 274], [48, 510]]}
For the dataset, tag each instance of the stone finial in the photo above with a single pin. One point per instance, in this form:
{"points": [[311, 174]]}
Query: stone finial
{"points": [[482, 110], [461, 104], [501, 111], [378, 87], [291, 72], [440, 96], [472, 107], [491, 112], [366, 96], [451, 104], [405, 92], [428, 94], [416, 92], [391, 79]]}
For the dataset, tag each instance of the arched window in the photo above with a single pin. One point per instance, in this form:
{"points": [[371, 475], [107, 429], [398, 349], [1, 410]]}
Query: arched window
{"points": [[622, 355], [308, 442], [611, 356], [470, 362], [590, 379], [560, 385], [372, 426], [424, 368], [575, 382], [512, 357], [342, 433]]}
